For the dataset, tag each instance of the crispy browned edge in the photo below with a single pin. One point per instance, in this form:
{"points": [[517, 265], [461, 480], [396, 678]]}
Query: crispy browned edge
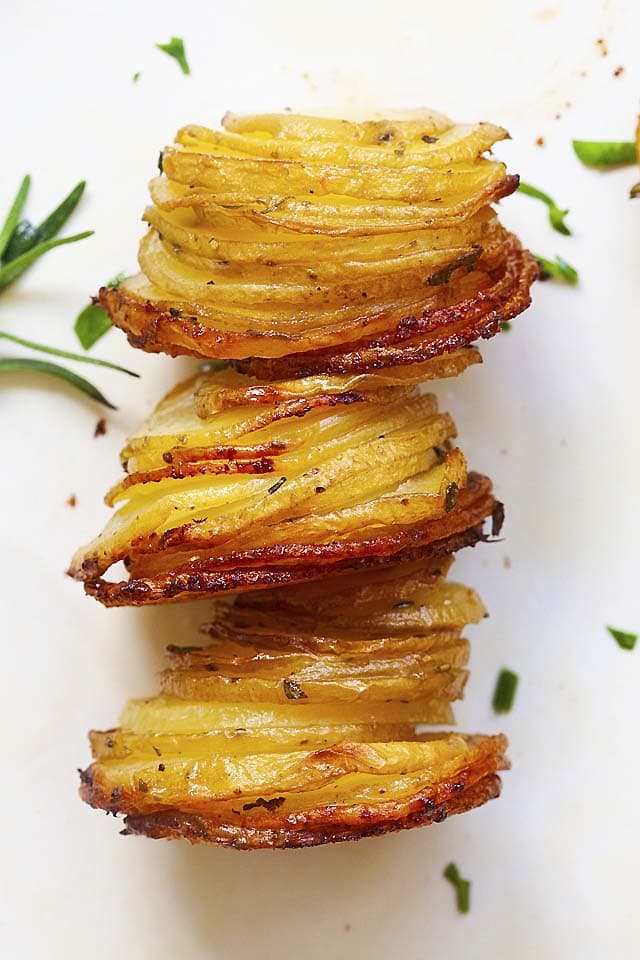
{"points": [[291, 563], [266, 828], [411, 340]]}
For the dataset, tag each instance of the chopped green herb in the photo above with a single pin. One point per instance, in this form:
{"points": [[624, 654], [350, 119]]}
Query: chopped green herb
{"points": [[276, 486], [28, 365], [41, 348], [271, 805], [462, 887], [136, 76], [605, 153], [556, 215], [11, 271], [505, 691], [13, 215], [497, 518], [175, 49], [505, 325], [91, 324], [293, 690], [626, 641], [115, 282], [451, 497], [557, 269], [467, 260]]}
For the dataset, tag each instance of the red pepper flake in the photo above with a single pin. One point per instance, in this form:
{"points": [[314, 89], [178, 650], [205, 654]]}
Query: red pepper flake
{"points": [[540, 142], [71, 502], [101, 428], [618, 71]]}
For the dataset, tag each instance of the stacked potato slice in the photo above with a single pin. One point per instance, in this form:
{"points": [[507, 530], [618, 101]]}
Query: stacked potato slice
{"points": [[297, 726], [232, 486], [298, 245], [307, 482]]}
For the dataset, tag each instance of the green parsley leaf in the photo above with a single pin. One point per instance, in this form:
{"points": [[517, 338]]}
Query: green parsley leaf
{"points": [[11, 271], [556, 215], [462, 887], [557, 269], [605, 153], [29, 365], [505, 325], [13, 216], [626, 641], [505, 691], [175, 49], [41, 348], [136, 76], [91, 324]]}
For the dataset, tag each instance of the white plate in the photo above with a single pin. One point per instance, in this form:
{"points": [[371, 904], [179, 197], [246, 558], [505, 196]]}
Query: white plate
{"points": [[551, 416]]}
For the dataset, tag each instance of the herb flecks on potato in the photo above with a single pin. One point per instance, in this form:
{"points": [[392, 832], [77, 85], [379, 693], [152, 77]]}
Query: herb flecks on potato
{"points": [[300, 245], [297, 725], [235, 484]]}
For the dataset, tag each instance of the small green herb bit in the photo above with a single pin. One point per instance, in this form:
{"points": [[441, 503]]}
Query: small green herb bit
{"points": [[605, 153], [505, 692], [462, 887], [13, 216], [27, 365], [293, 690], [136, 76], [115, 282], [175, 49], [557, 269], [626, 641], [556, 215], [505, 325], [91, 324]]}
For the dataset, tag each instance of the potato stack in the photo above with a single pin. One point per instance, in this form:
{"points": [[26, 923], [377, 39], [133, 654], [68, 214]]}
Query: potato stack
{"points": [[297, 726], [306, 482]]}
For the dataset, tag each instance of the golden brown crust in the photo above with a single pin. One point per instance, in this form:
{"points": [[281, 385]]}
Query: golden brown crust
{"points": [[264, 825], [290, 563], [406, 338], [416, 339]]}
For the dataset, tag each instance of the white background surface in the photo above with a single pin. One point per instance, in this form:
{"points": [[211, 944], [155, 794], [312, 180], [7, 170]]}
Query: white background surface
{"points": [[552, 416]]}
